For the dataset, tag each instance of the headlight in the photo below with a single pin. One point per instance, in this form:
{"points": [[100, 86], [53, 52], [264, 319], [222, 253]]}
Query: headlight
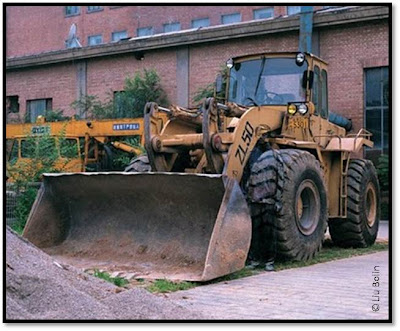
{"points": [[229, 63], [302, 108], [300, 57], [292, 109]]}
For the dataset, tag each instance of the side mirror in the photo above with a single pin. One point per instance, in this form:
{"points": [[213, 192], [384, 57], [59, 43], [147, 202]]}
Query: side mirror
{"points": [[218, 84]]}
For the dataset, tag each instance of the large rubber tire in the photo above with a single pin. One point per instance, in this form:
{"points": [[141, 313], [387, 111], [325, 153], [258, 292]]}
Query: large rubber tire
{"points": [[288, 203], [360, 228], [139, 164]]}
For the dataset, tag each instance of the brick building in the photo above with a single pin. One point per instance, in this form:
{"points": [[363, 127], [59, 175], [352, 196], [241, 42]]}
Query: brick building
{"points": [[187, 45]]}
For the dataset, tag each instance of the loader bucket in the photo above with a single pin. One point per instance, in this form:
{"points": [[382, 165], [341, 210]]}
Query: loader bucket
{"points": [[155, 225]]}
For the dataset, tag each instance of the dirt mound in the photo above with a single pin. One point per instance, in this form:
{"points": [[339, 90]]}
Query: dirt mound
{"points": [[38, 287]]}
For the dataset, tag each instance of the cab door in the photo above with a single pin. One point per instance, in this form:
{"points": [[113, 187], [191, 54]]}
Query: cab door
{"points": [[319, 125]]}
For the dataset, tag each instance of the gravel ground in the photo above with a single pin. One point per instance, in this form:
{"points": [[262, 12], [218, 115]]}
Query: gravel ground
{"points": [[39, 288]]}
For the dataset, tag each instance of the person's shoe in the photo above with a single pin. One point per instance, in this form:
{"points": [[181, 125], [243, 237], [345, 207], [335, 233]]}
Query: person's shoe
{"points": [[253, 265], [269, 266]]}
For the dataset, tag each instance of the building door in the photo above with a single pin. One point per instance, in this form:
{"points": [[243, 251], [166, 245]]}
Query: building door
{"points": [[377, 110]]}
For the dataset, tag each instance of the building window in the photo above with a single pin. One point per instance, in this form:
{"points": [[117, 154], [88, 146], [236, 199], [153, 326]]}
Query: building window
{"points": [[200, 22], [12, 104], [35, 108], [91, 9], [120, 103], [95, 40], [142, 32], [292, 10], [262, 13], [377, 109], [231, 18], [170, 27], [118, 35], [71, 10]]}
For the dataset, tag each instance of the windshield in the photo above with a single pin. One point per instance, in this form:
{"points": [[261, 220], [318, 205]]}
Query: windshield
{"points": [[273, 81]]}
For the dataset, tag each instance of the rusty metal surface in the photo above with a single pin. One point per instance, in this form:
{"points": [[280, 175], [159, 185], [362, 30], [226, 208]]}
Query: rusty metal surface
{"points": [[158, 225]]}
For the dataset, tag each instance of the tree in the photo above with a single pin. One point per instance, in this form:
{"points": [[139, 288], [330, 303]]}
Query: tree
{"points": [[138, 90]]}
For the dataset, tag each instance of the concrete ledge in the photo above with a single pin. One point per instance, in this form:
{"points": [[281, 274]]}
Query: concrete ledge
{"points": [[206, 35]]}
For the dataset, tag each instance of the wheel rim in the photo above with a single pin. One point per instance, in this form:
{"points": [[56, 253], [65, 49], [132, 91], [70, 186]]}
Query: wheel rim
{"points": [[307, 206], [371, 204]]}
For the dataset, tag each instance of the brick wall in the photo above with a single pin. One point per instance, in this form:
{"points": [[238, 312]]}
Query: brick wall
{"points": [[57, 82], [349, 50], [37, 29], [108, 74]]}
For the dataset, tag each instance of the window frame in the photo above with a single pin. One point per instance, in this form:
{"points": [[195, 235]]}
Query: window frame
{"points": [[263, 9], [171, 24], [382, 107], [72, 14], [198, 20], [231, 15], [89, 11], [93, 36], [324, 94], [145, 27], [77, 154], [12, 146], [290, 14], [13, 101], [115, 32], [49, 106]]}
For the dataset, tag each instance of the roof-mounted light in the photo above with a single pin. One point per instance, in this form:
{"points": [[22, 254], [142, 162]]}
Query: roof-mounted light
{"points": [[300, 58]]}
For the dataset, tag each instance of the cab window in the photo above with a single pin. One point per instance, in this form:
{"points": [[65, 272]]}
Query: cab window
{"points": [[31, 148], [324, 94], [69, 148], [316, 93], [12, 150], [28, 148]]}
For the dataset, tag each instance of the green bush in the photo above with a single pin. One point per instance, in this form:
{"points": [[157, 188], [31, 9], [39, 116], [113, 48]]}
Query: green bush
{"points": [[383, 172], [55, 116], [25, 201], [50, 115], [42, 154], [138, 90]]}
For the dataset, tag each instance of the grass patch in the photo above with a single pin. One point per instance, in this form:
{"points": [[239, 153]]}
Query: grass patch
{"points": [[328, 253], [118, 281], [166, 286]]}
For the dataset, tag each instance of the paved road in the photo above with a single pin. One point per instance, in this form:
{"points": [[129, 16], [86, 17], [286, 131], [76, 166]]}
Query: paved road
{"points": [[334, 290]]}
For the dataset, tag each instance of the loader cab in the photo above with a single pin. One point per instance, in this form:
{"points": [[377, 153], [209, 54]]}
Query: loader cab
{"points": [[279, 79]]}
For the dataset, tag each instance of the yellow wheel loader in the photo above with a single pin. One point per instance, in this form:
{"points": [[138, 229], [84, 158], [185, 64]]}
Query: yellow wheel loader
{"points": [[216, 178]]}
